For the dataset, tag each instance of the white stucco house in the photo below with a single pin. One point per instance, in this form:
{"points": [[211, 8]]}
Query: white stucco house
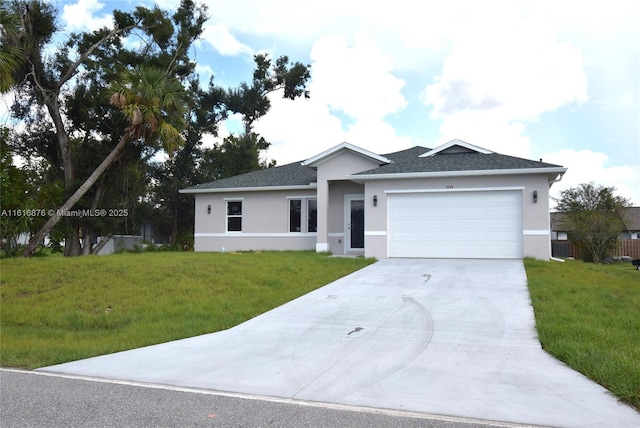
{"points": [[455, 201]]}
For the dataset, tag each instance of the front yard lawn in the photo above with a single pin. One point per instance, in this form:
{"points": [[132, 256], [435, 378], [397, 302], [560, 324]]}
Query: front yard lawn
{"points": [[588, 316], [56, 309]]}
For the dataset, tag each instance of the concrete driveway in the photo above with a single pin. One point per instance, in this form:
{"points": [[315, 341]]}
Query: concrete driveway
{"points": [[446, 337]]}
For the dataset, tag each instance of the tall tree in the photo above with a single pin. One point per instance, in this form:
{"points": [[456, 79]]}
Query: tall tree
{"points": [[71, 88], [592, 217], [63, 101], [155, 108]]}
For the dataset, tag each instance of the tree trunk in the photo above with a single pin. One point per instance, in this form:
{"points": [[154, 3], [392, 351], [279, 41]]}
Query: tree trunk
{"points": [[60, 213], [72, 245]]}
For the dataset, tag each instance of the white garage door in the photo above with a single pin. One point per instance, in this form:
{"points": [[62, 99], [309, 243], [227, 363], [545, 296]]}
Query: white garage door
{"points": [[484, 224]]}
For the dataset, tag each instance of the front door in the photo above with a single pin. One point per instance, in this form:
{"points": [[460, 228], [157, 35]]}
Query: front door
{"points": [[354, 222]]}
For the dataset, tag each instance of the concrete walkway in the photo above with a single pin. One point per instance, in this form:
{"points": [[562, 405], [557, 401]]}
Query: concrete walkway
{"points": [[447, 337]]}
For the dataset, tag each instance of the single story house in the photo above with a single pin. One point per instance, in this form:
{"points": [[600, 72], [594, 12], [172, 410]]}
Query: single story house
{"points": [[630, 225], [455, 201]]}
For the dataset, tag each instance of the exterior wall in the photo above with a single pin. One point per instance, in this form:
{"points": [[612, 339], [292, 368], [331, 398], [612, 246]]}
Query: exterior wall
{"points": [[265, 222], [337, 215], [330, 206], [536, 240]]}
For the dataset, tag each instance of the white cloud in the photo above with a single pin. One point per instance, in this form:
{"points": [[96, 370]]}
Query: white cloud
{"points": [[221, 39], [204, 71], [585, 166], [355, 79], [505, 68], [487, 130], [299, 129], [80, 16]]}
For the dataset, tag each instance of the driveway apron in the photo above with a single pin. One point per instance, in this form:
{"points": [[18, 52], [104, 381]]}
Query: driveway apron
{"points": [[447, 337]]}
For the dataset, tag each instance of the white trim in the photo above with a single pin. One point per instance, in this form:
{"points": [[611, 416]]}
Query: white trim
{"points": [[452, 143], [322, 247], [535, 232], [473, 173], [235, 235], [249, 189], [462, 189], [335, 151], [336, 234], [230, 199], [301, 197], [375, 233]]}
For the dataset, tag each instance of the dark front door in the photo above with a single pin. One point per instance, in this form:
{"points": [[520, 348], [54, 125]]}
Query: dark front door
{"points": [[356, 224]]}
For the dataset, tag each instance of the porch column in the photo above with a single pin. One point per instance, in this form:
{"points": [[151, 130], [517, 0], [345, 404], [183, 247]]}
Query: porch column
{"points": [[322, 243]]}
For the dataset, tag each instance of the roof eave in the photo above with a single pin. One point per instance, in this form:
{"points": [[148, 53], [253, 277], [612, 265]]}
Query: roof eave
{"points": [[336, 150], [194, 191], [456, 142], [434, 174]]}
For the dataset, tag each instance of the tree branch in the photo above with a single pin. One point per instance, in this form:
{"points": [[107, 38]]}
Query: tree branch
{"points": [[74, 67]]}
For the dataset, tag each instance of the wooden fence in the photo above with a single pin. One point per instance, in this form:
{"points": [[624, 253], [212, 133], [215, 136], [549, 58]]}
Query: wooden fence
{"points": [[626, 247]]}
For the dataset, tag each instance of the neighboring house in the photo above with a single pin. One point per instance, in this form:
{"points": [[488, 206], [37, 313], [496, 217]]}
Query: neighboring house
{"points": [[631, 219], [455, 201], [630, 230]]}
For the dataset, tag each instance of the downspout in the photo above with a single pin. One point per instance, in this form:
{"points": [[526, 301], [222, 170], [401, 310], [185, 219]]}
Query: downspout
{"points": [[557, 179]]}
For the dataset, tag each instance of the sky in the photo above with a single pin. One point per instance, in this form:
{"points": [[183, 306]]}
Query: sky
{"points": [[552, 80]]}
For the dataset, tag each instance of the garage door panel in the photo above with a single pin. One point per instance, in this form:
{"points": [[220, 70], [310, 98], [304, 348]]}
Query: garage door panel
{"points": [[483, 224], [470, 251], [435, 238], [437, 212], [402, 225], [436, 224], [509, 224], [469, 224], [408, 238]]}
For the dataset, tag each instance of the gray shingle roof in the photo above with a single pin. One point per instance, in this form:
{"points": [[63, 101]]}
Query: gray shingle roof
{"points": [[407, 154], [457, 162], [293, 174], [403, 162]]}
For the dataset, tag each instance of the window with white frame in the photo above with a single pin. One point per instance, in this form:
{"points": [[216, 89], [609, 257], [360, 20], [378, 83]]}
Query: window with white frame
{"points": [[312, 215], [301, 209], [234, 216], [295, 215]]}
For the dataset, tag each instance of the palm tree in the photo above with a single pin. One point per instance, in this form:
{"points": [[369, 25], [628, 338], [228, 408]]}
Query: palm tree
{"points": [[11, 55], [155, 107]]}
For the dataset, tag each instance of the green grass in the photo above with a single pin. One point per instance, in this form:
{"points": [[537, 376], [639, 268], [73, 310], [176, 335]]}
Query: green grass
{"points": [[55, 309], [588, 316]]}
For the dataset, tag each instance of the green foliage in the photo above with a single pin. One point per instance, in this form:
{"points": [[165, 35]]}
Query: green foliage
{"points": [[24, 194], [64, 104], [154, 105], [592, 218], [587, 317], [251, 100], [11, 54], [58, 309]]}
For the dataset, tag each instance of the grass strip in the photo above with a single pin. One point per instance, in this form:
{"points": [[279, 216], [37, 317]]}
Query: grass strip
{"points": [[588, 316]]}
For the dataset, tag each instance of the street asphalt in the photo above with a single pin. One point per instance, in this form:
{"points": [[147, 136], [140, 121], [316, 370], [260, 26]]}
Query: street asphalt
{"points": [[32, 399]]}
